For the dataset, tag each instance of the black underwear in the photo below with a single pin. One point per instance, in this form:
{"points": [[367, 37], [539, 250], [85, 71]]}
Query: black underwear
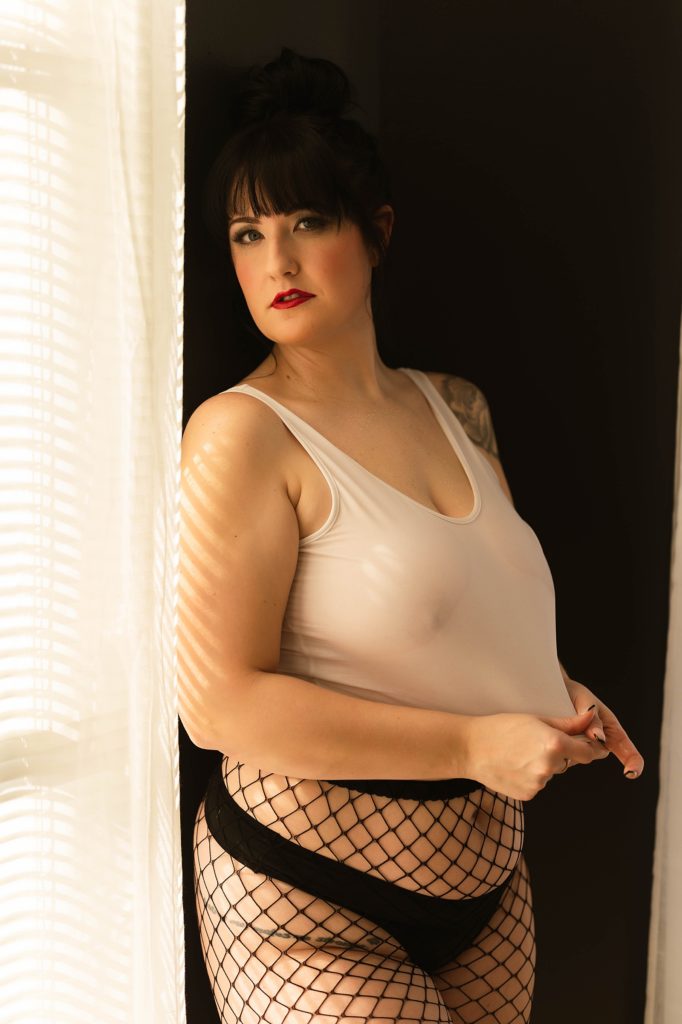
{"points": [[432, 929]]}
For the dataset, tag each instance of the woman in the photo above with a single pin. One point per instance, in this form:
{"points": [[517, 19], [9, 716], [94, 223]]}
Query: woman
{"points": [[366, 624]]}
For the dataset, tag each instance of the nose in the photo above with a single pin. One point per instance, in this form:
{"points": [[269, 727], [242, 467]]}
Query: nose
{"points": [[281, 258]]}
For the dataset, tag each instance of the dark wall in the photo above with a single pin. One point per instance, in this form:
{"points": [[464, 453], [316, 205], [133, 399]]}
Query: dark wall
{"points": [[537, 251]]}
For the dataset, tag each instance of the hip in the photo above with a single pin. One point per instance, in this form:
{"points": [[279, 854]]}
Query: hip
{"points": [[450, 847]]}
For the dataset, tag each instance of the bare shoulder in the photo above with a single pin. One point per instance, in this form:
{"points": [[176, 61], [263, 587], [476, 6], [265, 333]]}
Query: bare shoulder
{"points": [[239, 444], [470, 406], [234, 422]]}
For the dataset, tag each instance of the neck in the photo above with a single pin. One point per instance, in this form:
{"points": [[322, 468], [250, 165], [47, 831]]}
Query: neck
{"points": [[348, 371]]}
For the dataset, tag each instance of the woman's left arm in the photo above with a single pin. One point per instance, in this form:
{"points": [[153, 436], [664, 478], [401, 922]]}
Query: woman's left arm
{"points": [[470, 406]]}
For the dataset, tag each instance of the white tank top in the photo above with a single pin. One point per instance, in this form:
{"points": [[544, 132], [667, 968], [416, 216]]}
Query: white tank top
{"points": [[393, 601]]}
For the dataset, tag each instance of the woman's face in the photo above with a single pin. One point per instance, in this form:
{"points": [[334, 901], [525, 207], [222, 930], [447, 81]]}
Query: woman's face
{"points": [[308, 251]]}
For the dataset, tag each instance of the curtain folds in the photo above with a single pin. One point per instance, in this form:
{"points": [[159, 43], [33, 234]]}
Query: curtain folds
{"points": [[664, 980], [92, 99]]}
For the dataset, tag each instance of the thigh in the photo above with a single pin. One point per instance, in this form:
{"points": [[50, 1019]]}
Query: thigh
{"points": [[276, 953], [492, 981]]}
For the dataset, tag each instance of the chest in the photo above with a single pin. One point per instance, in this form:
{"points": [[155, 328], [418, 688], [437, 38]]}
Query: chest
{"points": [[391, 580], [409, 452]]}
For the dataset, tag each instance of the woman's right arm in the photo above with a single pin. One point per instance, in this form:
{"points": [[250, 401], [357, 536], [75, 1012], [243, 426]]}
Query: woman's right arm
{"points": [[238, 553]]}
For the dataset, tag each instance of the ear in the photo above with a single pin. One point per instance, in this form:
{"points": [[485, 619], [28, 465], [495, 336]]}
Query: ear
{"points": [[385, 217]]}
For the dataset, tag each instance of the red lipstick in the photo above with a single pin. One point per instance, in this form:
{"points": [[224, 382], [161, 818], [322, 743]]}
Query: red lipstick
{"points": [[301, 296]]}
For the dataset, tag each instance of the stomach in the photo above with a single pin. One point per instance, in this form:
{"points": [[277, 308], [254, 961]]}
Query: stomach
{"points": [[451, 848]]}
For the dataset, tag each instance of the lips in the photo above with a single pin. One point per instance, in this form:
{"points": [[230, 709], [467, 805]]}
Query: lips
{"points": [[291, 291], [279, 301]]}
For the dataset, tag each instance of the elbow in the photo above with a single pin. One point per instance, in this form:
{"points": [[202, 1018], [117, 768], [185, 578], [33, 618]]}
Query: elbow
{"points": [[198, 719], [212, 726], [198, 739], [206, 728], [198, 698]]}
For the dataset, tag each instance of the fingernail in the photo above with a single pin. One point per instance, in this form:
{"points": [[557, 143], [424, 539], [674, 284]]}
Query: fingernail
{"points": [[632, 774], [600, 735], [602, 741]]}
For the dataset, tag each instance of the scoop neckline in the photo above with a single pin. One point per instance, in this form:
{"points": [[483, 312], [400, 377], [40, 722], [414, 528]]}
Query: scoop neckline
{"points": [[450, 435]]}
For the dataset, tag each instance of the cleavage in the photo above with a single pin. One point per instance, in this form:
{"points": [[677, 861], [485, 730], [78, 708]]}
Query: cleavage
{"points": [[408, 475]]}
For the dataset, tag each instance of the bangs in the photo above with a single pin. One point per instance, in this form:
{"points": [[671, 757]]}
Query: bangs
{"points": [[275, 168], [283, 171]]}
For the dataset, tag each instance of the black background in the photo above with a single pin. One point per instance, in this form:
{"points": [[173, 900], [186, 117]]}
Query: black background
{"points": [[537, 251]]}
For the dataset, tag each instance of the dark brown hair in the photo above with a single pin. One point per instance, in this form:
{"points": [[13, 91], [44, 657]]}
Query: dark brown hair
{"points": [[291, 145]]}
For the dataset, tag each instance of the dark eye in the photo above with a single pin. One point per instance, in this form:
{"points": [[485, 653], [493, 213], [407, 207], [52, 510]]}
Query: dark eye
{"points": [[313, 220], [239, 237], [317, 222]]}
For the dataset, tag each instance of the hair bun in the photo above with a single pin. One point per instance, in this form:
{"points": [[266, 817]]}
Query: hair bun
{"points": [[292, 84]]}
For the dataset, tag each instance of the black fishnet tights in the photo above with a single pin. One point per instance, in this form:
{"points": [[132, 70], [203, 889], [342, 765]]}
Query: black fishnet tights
{"points": [[276, 953]]}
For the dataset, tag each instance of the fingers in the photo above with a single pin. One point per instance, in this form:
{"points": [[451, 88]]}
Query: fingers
{"points": [[596, 729], [578, 747], [605, 728], [571, 724], [583, 699], [583, 750], [620, 743], [602, 734], [617, 740]]}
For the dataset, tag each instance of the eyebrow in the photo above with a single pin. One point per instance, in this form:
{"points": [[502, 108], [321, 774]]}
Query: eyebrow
{"points": [[256, 220], [247, 220]]}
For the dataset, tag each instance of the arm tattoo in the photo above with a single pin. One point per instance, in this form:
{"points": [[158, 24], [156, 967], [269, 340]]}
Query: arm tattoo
{"points": [[471, 408]]}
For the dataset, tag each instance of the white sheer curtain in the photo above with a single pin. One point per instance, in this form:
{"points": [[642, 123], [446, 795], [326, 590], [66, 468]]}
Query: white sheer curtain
{"points": [[91, 223], [664, 983]]}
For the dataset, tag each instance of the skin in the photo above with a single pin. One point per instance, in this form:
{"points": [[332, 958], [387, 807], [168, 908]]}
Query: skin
{"points": [[326, 352], [327, 346], [471, 408], [328, 369]]}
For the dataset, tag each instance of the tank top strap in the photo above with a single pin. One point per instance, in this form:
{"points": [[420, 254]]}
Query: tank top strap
{"points": [[318, 448], [440, 407], [454, 429]]}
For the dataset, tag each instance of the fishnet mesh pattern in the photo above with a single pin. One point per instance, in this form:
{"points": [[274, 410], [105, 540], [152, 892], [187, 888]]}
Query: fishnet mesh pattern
{"points": [[277, 953]]}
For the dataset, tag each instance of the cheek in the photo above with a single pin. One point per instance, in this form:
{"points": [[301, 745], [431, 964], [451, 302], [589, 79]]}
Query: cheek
{"points": [[250, 284], [243, 274], [343, 265]]}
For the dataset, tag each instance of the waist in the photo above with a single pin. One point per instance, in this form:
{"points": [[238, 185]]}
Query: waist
{"points": [[411, 789], [458, 846]]}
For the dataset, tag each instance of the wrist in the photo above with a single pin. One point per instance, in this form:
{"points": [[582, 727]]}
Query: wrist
{"points": [[463, 745]]}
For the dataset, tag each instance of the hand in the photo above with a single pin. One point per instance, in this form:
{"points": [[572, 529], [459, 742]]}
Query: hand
{"points": [[606, 728], [517, 754]]}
